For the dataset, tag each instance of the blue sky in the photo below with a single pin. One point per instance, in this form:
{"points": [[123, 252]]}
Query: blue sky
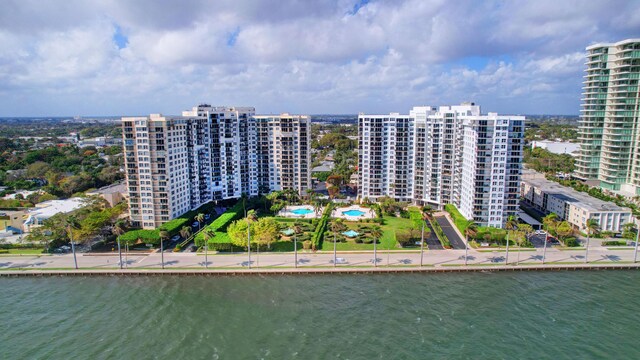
{"points": [[74, 57]]}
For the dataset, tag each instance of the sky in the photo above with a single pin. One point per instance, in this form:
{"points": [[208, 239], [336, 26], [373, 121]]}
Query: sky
{"points": [[78, 57]]}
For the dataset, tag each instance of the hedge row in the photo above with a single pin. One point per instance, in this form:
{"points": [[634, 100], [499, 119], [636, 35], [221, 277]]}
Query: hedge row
{"points": [[219, 225], [459, 220], [174, 226], [145, 235], [316, 240]]}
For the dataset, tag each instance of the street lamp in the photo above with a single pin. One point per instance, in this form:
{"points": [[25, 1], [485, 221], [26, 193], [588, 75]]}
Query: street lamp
{"points": [[422, 244], [635, 251], [295, 250]]}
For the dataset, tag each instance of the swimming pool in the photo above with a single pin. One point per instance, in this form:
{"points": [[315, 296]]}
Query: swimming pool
{"points": [[353, 213], [302, 211], [351, 233]]}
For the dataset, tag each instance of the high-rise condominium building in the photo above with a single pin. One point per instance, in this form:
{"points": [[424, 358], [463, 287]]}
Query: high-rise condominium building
{"points": [[446, 155], [177, 163], [609, 123]]}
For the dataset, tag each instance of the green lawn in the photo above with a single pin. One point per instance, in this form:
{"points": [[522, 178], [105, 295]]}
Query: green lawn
{"points": [[21, 251], [387, 241]]}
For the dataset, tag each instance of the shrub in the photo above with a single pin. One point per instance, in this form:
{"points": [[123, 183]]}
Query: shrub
{"points": [[614, 243], [526, 244], [174, 226], [306, 244], [367, 240], [358, 240], [144, 235], [220, 224], [571, 242], [404, 238]]}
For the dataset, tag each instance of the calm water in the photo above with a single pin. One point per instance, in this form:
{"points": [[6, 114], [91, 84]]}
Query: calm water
{"points": [[577, 315]]}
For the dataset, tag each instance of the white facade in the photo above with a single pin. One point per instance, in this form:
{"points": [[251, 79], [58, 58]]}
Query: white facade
{"points": [[449, 155], [557, 147], [386, 156], [573, 206], [178, 163]]}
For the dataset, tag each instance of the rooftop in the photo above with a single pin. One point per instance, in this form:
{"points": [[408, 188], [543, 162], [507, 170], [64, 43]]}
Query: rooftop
{"points": [[49, 208], [110, 189], [568, 194]]}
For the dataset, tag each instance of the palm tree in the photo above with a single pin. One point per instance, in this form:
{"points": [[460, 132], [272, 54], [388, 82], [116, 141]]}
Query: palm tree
{"points": [[549, 222], [470, 231], [251, 217], [527, 231], [427, 211], [311, 194], [336, 226], [119, 229], [376, 233], [164, 235], [511, 224], [426, 215], [185, 232], [71, 223], [635, 249], [591, 227], [207, 234], [296, 230], [199, 218]]}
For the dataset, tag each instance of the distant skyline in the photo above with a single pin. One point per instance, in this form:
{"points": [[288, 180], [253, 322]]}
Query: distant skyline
{"points": [[71, 57]]}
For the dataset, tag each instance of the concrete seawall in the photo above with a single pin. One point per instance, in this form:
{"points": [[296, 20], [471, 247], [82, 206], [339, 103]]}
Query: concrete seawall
{"points": [[312, 271]]}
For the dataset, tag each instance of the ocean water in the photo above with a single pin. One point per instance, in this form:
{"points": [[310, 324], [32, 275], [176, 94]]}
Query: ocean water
{"points": [[545, 315]]}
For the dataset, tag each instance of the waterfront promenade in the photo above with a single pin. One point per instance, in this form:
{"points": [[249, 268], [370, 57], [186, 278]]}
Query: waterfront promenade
{"points": [[397, 261]]}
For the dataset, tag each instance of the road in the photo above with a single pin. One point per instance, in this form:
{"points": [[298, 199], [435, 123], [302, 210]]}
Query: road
{"points": [[308, 259], [449, 232], [432, 239]]}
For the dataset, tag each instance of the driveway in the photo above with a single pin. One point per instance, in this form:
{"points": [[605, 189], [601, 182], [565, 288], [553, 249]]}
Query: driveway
{"points": [[432, 240], [450, 233]]}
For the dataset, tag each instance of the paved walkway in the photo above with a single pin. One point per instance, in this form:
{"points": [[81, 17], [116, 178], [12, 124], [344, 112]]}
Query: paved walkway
{"points": [[357, 259]]}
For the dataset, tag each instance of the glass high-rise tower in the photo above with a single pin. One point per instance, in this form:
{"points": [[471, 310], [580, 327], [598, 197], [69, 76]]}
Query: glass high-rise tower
{"points": [[609, 130]]}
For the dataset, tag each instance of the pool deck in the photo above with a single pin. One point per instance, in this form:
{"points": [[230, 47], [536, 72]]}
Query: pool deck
{"points": [[338, 213], [286, 212]]}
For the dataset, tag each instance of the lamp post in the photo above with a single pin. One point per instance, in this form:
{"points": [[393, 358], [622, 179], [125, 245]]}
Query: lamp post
{"points": [[506, 256], [635, 251], [73, 248], [295, 250], [466, 249], [119, 252], [162, 252], [334, 250], [375, 253], [544, 249], [422, 244]]}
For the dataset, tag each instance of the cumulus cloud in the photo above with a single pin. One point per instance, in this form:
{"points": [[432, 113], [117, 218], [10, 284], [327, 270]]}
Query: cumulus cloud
{"points": [[330, 56]]}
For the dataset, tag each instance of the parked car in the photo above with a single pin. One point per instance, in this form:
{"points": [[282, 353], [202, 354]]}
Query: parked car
{"points": [[207, 216], [540, 232], [195, 224], [341, 260], [175, 238]]}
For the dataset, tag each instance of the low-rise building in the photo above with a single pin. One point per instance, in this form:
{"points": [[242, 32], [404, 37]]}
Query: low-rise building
{"points": [[113, 193], [557, 147], [47, 209], [573, 206], [11, 221]]}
